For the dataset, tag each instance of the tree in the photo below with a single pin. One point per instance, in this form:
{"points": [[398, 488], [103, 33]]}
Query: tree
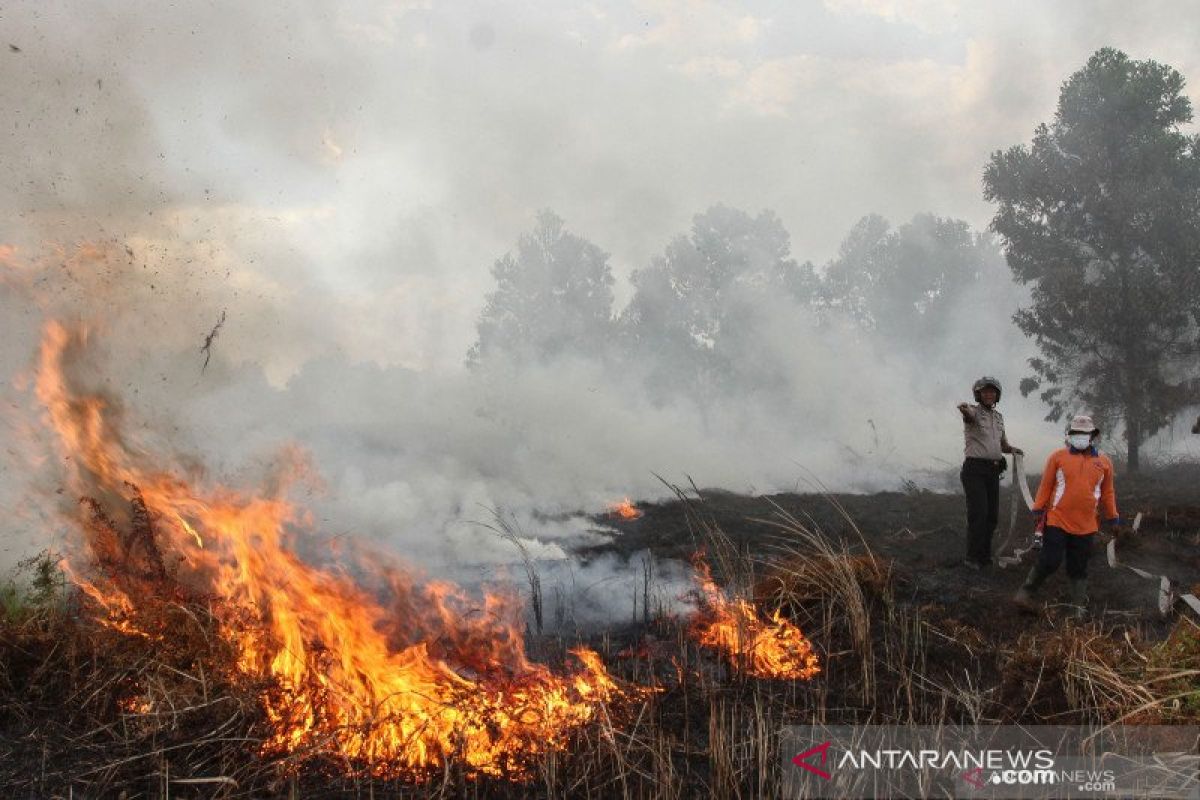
{"points": [[695, 309], [1101, 215], [904, 284], [553, 297]]}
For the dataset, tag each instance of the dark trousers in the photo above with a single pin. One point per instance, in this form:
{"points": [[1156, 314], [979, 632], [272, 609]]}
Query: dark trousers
{"points": [[981, 483], [1057, 543]]}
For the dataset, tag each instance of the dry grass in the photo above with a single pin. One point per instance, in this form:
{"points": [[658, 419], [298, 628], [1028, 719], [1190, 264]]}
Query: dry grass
{"points": [[86, 710]]}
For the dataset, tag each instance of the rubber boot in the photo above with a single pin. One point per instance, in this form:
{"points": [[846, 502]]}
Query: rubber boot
{"points": [[1079, 598], [1024, 595]]}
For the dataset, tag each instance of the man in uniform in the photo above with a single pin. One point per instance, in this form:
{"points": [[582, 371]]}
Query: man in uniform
{"points": [[985, 444]]}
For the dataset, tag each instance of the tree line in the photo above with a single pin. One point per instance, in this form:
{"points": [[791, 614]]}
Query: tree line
{"points": [[1099, 218]]}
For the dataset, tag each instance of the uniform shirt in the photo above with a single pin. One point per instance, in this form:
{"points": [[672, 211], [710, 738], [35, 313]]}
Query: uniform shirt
{"points": [[982, 435], [1075, 485]]}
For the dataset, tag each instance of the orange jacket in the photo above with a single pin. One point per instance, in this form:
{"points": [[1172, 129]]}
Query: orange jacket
{"points": [[1074, 485]]}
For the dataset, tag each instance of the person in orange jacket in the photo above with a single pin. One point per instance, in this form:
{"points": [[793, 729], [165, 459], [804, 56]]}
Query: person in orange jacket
{"points": [[1075, 493]]}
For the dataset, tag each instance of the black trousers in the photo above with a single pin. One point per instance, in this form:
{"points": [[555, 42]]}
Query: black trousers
{"points": [[1057, 543], [981, 483]]}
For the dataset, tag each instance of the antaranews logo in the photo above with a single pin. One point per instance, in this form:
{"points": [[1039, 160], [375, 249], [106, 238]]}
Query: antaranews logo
{"points": [[975, 767], [801, 759], [865, 761]]}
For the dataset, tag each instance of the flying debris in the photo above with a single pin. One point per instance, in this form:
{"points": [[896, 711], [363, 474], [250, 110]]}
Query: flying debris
{"points": [[206, 348]]}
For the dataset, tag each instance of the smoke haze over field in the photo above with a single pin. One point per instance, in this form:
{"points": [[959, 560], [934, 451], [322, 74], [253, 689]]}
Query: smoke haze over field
{"points": [[340, 178]]}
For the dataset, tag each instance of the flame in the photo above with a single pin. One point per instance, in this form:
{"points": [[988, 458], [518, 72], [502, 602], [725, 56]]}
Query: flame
{"points": [[771, 648], [379, 669], [13, 271], [625, 509]]}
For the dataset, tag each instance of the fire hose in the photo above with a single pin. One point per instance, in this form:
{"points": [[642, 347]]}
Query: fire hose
{"points": [[1019, 481], [1167, 594]]}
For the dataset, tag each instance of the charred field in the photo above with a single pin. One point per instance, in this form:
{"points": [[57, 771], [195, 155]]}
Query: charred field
{"points": [[404, 399], [153, 704]]}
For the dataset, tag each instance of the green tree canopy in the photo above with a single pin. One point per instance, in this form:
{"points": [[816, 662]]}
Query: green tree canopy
{"points": [[1101, 216], [553, 297], [904, 284], [695, 307]]}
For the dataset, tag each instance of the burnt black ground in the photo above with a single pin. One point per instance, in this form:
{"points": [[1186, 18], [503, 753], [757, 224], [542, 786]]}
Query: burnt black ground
{"points": [[922, 536]]}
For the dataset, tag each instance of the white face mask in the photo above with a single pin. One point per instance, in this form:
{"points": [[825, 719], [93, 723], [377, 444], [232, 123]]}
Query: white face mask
{"points": [[1080, 441]]}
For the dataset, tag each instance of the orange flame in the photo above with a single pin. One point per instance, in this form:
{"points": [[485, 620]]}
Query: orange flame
{"points": [[625, 509], [401, 685], [772, 648]]}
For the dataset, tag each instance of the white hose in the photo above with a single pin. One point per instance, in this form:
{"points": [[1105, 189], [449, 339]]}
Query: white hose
{"points": [[1019, 480], [1166, 592]]}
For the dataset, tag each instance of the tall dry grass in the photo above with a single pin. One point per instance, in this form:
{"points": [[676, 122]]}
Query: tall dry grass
{"points": [[70, 724]]}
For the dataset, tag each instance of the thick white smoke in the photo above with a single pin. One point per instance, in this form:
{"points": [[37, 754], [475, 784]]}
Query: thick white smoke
{"points": [[338, 179]]}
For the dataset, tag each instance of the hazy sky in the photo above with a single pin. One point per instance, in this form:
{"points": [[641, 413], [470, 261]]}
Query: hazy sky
{"points": [[384, 153], [339, 178]]}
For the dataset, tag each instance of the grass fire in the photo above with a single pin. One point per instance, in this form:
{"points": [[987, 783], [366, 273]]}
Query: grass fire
{"points": [[400, 678], [199, 631], [645, 400], [625, 509], [769, 648]]}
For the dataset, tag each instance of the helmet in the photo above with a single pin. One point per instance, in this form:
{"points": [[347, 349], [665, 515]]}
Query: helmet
{"points": [[1083, 423], [986, 381]]}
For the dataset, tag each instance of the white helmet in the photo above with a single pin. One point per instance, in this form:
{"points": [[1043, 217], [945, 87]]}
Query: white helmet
{"points": [[1083, 423]]}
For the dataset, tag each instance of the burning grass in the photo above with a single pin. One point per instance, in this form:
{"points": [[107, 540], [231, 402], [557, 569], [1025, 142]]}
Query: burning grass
{"points": [[165, 710], [375, 669], [192, 652], [624, 510], [771, 647]]}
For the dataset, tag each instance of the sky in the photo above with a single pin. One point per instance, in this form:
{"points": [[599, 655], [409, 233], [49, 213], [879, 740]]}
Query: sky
{"points": [[340, 177], [387, 152]]}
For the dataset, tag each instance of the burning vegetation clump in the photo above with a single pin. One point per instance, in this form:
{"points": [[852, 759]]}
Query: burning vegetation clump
{"points": [[373, 669], [624, 510], [771, 647]]}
